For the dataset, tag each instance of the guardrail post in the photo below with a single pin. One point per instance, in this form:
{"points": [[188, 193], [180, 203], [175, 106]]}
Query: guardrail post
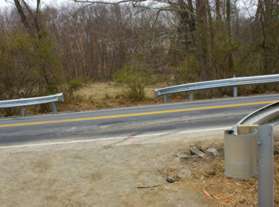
{"points": [[166, 98], [235, 91], [266, 167], [53, 107], [22, 111], [191, 96]]}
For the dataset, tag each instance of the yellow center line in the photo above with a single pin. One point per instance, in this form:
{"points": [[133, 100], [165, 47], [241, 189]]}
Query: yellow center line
{"points": [[35, 123]]}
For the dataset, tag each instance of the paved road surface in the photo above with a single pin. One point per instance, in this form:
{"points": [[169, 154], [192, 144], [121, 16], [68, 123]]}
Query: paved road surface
{"points": [[130, 121]]}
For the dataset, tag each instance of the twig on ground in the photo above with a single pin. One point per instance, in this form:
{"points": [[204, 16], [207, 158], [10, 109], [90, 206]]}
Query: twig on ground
{"points": [[152, 186]]}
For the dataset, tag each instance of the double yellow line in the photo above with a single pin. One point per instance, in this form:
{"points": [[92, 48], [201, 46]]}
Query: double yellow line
{"points": [[71, 120]]}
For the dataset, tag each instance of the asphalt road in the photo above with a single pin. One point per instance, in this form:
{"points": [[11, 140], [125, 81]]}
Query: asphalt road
{"points": [[130, 121]]}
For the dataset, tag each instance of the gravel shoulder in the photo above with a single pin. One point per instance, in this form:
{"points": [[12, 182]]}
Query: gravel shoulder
{"points": [[127, 172]]}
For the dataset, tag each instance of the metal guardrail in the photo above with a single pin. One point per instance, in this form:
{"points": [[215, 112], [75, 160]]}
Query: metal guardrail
{"points": [[230, 82], [249, 150], [23, 102], [266, 115]]}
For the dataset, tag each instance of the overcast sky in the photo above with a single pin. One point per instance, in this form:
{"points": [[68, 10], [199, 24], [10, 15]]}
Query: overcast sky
{"points": [[243, 4], [9, 3]]}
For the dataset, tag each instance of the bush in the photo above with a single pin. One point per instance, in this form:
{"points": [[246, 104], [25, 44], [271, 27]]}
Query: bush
{"points": [[73, 85], [28, 66], [135, 79]]}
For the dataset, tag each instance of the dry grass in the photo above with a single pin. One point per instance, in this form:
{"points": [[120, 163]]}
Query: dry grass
{"points": [[208, 178], [100, 95], [104, 90], [93, 96], [100, 91], [106, 95]]}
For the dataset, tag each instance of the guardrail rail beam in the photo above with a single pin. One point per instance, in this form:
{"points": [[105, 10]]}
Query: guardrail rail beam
{"points": [[24, 102], [234, 82]]}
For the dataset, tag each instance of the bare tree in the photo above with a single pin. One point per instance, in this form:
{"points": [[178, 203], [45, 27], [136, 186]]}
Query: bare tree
{"points": [[29, 17], [229, 32], [267, 19]]}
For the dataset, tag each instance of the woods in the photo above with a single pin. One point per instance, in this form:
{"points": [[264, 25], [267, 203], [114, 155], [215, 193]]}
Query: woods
{"points": [[45, 49]]}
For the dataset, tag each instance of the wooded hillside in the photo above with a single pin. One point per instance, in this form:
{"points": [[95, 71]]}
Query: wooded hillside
{"points": [[44, 49]]}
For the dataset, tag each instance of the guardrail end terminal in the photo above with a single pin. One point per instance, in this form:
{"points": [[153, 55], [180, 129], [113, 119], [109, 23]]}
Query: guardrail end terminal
{"points": [[62, 97], [249, 153]]}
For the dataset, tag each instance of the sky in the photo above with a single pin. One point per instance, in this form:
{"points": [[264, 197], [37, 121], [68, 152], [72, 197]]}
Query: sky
{"points": [[243, 4], [9, 3]]}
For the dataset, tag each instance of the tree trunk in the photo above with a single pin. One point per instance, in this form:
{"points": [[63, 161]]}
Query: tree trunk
{"points": [[229, 32], [217, 10], [202, 39], [267, 22]]}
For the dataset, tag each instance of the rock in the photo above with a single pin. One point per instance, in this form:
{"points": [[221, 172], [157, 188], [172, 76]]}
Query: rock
{"points": [[210, 172], [212, 151], [242, 200], [171, 174], [184, 173], [196, 151], [183, 156], [172, 179]]}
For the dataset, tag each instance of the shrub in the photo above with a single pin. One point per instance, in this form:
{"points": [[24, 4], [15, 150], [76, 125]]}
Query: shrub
{"points": [[135, 79], [74, 85], [28, 66]]}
